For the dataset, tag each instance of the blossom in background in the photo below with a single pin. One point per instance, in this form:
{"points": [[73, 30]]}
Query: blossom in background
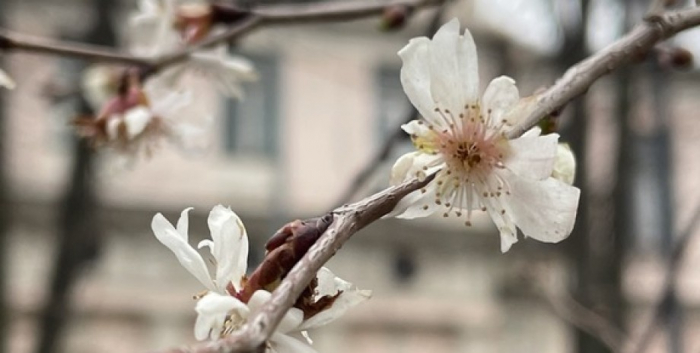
{"points": [[6, 81], [463, 139], [162, 26], [136, 121], [220, 311]]}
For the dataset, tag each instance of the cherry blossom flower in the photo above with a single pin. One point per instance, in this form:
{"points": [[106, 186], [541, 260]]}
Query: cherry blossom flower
{"points": [[220, 311], [6, 81], [162, 26], [463, 139], [135, 122]]}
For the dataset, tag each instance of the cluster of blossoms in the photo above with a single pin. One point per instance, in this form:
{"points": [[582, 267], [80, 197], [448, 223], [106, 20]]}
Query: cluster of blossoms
{"points": [[520, 182], [523, 182], [225, 307], [134, 116]]}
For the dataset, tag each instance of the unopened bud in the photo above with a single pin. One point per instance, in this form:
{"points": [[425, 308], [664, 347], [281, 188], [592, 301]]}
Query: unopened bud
{"points": [[564, 164], [673, 58], [394, 17]]}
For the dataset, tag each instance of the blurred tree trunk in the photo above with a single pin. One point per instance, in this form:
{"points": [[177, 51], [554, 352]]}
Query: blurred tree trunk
{"points": [[79, 237]]}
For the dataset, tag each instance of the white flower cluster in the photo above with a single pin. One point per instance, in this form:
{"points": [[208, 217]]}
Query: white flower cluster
{"points": [[134, 116], [220, 311]]}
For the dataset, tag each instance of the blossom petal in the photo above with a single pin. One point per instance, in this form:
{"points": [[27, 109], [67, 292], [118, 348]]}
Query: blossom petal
{"points": [[565, 164], [186, 254], [212, 310], [228, 72], [500, 97], [291, 320], [415, 165], [532, 156], [454, 79], [415, 76], [501, 215], [230, 246], [329, 284], [544, 210], [183, 223], [420, 203], [6, 81], [136, 120], [281, 343]]}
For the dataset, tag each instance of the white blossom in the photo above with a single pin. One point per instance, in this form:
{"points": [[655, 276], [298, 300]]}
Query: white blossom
{"points": [[6, 81], [565, 164], [228, 246], [153, 33], [463, 139], [219, 313]]}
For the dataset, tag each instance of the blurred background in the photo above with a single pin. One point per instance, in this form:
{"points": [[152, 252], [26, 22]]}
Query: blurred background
{"points": [[82, 272]]}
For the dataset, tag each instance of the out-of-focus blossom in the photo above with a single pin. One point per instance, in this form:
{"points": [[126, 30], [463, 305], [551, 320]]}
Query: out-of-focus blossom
{"points": [[6, 81], [463, 139], [565, 164], [137, 121], [220, 311], [162, 26], [100, 83]]}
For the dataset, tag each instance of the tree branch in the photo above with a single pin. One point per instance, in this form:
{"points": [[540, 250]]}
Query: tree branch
{"points": [[259, 17], [669, 286], [581, 76], [347, 220], [351, 218]]}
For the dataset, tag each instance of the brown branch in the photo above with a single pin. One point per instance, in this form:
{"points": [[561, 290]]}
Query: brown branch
{"points": [[348, 220], [257, 18], [581, 76], [351, 218]]}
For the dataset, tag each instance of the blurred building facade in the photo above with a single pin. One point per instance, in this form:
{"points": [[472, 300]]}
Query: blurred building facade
{"points": [[327, 96]]}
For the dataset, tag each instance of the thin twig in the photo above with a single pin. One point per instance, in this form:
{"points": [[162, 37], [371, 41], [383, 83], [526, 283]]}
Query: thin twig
{"points": [[581, 76], [578, 315], [258, 18], [385, 151], [670, 277]]}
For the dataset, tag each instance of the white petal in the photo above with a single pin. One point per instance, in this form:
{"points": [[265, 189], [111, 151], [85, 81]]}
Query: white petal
{"points": [[503, 220], [113, 123], [281, 343], [291, 320], [168, 102], [415, 164], [565, 164], [420, 203], [329, 284], [186, 255], [228, 71], [211, 314], [415, 76], [230, 248], [6, 81], [544, 210], [532, 156], [183, 223], [416, 127], [500, 97], [136, 120], [454, 78]]}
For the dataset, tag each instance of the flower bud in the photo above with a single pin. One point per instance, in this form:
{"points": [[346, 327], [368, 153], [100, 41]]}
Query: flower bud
{"points": [[194, 21], [394, 17], [564, 164]]}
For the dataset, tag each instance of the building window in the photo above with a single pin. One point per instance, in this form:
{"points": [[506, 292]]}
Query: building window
{"points": [[251, 123]]}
